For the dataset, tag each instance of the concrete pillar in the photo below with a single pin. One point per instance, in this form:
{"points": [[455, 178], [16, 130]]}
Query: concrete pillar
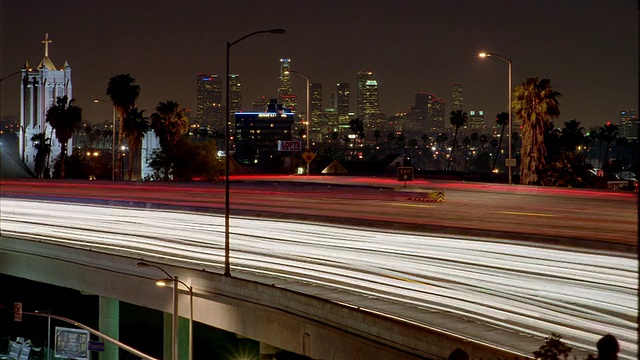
{"points": [[183, 338], [267, 352], [109, 324], [167, 338]]}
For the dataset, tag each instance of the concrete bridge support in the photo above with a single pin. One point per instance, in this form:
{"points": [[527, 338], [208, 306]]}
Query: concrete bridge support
{"points": [[109, 323]]}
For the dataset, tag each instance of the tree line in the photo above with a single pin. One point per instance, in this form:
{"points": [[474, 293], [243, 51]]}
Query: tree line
{"points": [[178, 158], [546, 155]]}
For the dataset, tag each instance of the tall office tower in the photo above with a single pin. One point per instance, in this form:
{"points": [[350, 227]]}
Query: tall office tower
{"points": [[260, 105], [286, 96], [368, 106], [422, 102], [209, 101], [456, 96], [437, 114], [39, 89], [235, 94], [476, 120], [629, 124], [333, 100], [342, 102], [315, 101]]}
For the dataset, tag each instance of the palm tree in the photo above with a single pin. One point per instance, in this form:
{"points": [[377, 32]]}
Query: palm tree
{"points": [[136, 126], [377, 135], [169, 123], [123, 94], [535, 104], [64, 118], [571, 135], [457, 119], [483, 140], [502, 120], [43, 148], [608, 134], [425, 139], [88, 131], [334, 136], [357, 128], [441, 139]]}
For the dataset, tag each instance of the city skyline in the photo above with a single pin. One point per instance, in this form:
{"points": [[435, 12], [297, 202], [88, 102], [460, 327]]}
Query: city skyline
{"points": [[411, 47]]}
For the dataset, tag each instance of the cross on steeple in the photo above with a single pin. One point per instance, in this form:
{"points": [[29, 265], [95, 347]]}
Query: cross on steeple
{"points": [[46, 43]]}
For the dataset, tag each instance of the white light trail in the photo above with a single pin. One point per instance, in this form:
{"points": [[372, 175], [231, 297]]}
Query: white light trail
{"points": [[514, 285]]}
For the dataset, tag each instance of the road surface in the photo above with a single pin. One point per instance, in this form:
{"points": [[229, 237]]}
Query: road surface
{"points": [[469, 208]]}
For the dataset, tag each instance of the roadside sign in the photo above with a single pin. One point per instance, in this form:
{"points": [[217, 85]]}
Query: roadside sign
{"points": [[510, 162], [405, 173], [289, 145], [308, 155], [96, 345], [71, 343], [17, 311]]}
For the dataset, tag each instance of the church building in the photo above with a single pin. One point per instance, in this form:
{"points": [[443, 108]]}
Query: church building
{"points": [[38, 91]]}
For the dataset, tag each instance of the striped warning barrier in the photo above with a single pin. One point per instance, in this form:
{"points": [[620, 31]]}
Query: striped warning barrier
{"points": [[430, 196]]}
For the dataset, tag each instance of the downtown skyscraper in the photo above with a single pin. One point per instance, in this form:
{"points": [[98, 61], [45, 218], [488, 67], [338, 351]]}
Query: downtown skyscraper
{"points": [[432, 110], [315, 101], [629, 124], [367, 98], [342, 103], [456, 96], [235, 94], [476, 120], [286, 96], [209, 101]]}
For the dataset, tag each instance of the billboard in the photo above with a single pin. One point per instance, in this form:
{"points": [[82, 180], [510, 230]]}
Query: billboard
{"points": [[289, 145], [71, 343]]}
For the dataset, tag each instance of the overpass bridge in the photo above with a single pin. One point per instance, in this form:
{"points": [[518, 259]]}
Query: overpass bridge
{"points": [[296, 318]]}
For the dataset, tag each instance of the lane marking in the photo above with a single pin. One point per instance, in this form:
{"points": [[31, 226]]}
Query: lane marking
{"points": [[525, 213], [412, 205]]}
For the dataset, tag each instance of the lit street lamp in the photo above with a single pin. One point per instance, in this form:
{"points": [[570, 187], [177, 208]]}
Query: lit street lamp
{"points": [[227, 266], [308, 112], [113, 138], [175, 315], [509, 160]]}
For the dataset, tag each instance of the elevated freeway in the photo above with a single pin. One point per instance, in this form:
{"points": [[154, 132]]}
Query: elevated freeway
{"points": [[482, 293]]}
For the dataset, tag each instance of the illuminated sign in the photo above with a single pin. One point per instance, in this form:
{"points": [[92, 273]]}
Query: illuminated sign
{"points": [[289, 145], [71, 343]]}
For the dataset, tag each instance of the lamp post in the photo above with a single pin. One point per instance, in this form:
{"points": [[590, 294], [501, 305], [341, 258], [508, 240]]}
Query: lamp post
{"points": [[48, 331], [227, 266], [175, 315], [113, 138], [509, 161], [308, 112]]}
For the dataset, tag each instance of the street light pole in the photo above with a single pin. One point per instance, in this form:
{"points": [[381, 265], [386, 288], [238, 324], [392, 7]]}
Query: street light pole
{"points": [[227, 265], [509, 164], [113, 138], [175, 317], [308, 111]]}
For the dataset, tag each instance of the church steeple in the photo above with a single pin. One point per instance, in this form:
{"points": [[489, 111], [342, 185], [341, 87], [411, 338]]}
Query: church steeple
{"points": [[46, 43], [46, 63]]}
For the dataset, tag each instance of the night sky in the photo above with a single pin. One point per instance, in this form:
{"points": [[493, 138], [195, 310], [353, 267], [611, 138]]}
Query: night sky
{"points": [[588, 48]]}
